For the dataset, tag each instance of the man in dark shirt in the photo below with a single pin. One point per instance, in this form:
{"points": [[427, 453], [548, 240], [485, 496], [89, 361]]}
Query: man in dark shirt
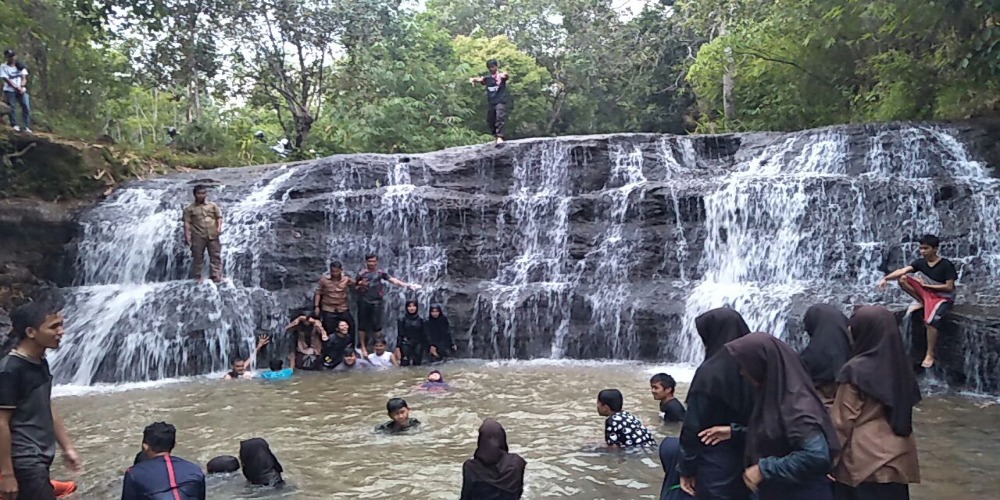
{"points": [[161, 476], [497, 98], [930, 280], [399, 412], [662, 387], [29, 426], [371, 291]]}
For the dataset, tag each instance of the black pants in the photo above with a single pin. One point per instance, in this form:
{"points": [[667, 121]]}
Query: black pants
{"points": [[496, 118], [330, 321], [411, 354], [34, 484], [369, 318], [720, 473], [872, 491]]}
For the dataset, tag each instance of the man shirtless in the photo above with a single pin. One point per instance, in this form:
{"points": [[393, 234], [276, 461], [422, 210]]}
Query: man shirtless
{"points": [[930, 280]]}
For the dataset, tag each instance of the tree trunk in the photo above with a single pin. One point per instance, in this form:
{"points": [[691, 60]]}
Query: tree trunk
{"points": [[728, 103]]}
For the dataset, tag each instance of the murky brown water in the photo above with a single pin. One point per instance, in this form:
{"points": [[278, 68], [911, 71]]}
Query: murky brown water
{"points": [[320, 427]]}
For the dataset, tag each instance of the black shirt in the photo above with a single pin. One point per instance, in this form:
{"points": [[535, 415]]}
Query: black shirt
{"points": [[672, 411], [496, 93], [390, 427], [941, 272], [26, 388]]}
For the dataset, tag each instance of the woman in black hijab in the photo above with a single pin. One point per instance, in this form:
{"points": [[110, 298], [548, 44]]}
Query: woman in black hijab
{"points": [[791, 441], [670, 452], [260, 466], [493, 473], [829, 348], [719, 404], [411, 341], [873, 412], [439, 334]]}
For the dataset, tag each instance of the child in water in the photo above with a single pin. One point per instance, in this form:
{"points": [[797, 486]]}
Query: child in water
{"points": [[662, 387], [435, 382], [621, 428], [381, 358], [399, 412], [276, 372]]}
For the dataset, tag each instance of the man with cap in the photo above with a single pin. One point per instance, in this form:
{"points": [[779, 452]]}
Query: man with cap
{"points": [[14, 76], [497, 98]]}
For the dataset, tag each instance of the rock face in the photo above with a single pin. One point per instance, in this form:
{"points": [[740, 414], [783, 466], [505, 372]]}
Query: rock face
{"points": [[577, 247]]}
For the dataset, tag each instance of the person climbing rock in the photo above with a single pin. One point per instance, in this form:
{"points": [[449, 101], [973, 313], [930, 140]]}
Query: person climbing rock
{"points": [[497, 98], [930, 280], [14, 77], [202, 228]]}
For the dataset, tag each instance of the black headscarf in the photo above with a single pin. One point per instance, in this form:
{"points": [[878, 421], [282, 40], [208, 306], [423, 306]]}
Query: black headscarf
{"points": [[787, 411], [670, 452], [829, 346], [438, 329], [260, 466], [719, 375], [411, 326], [223, 464], [492, 463], [880, 368]]}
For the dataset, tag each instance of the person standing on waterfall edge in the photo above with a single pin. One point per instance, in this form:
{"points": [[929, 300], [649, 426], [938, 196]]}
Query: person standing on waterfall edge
{"points": [[497, 98], [330, 303], [371, 292], [202, 228], [932, 285], [29, 427]]}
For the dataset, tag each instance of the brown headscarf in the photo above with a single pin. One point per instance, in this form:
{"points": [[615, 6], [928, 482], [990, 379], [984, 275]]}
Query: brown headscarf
{"points": [[880, 368], [787, 411], [492, 463]]}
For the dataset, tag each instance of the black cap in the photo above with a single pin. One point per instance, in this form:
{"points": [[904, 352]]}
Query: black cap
{"points": [[491, 63], [9, 53]]}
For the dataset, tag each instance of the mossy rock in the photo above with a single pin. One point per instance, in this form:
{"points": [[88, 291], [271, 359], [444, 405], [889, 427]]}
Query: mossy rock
{"points": [[42, 166]]}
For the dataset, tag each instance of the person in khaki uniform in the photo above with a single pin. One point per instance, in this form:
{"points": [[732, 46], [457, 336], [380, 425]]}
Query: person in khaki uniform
{"points": [[202, 227]]}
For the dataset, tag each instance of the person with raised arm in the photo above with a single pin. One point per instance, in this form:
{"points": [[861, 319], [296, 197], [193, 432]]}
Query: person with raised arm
{"points": [[371, 294], [497, 98]]}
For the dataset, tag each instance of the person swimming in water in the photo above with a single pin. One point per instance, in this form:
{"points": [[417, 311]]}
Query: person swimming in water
{"points": [[259, 464], [276, 372], [435, 382], [242, 368], [401, 421]]}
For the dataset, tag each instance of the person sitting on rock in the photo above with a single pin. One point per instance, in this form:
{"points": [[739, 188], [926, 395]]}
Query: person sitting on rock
{"points": [[240, 369], [930, 280]]}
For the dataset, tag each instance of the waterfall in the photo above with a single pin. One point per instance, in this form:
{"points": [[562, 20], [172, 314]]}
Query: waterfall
{"points": [[579, 247]]}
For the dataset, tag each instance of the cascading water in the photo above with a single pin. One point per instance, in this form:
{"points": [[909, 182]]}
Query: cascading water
{"points": [[573, 247]]}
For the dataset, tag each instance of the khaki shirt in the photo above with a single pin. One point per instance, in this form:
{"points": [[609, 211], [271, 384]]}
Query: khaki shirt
{"points": [[333, 294], [203, 219]]}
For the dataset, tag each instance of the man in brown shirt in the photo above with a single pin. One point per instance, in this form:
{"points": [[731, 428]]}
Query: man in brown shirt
{"points": [[331, 299], [202, 227]]}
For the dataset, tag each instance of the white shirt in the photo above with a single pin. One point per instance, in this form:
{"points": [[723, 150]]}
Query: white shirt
{"points": [[8, 72], [383, 361]]}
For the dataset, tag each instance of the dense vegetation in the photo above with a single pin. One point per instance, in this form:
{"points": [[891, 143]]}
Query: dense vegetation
{"points": [[374, 75]]}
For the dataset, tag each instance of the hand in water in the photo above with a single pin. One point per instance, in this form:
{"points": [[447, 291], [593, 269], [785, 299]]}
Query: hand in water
{"points": [[715, 435], [72, 460], [688, 485], [752, 477]]}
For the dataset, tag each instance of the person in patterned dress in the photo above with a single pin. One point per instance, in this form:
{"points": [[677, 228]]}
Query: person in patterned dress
{"points": [[621, 428]]}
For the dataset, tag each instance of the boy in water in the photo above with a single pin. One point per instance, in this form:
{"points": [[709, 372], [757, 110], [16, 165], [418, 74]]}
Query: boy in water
{"points": [[29, 426], [662, 387], [930, 280], [240, 366], [381, 358], [399, 412], [276, 372], [621, 428]]}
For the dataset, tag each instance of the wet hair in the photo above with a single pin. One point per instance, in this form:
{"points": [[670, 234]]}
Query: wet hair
{"points": [[31, 315], [199, 187], [275, 364], [237, 359], [664, 380], [380, 340], [160, 437], [491, 63], [223, 464], [371, 256], [349, 352], [612, 398], [336, 265], [930, 240], [395, 404]]}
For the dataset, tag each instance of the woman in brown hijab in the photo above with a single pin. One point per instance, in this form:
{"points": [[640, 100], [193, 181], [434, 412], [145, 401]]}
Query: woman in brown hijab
{"points": [[790, 439], [873, 412], [493, 473]]}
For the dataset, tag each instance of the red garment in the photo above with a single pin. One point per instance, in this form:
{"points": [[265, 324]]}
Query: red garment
{"points": [[931, 299]]}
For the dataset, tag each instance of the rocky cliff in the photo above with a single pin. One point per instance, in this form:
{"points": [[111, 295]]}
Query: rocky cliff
{"points": [[579, 247]]}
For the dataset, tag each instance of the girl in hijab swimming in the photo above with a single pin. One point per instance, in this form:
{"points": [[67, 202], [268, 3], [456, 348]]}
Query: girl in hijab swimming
{"points": [[791, 440], [411, 340], [873, 412], [493, 473], [670, 452], [435, 382], [439, 334], [719, 403], [260, 466], [829, 348]]}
